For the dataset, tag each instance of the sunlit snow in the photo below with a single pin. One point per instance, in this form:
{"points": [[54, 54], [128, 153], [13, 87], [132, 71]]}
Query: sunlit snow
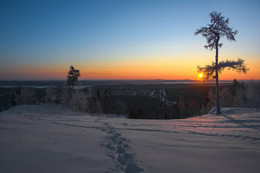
{"points": [[55, 139]]}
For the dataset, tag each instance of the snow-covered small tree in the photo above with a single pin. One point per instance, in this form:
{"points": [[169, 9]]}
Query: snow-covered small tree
{"points": [[79, 101], [218, 28], [50, 95], [72, 77]]}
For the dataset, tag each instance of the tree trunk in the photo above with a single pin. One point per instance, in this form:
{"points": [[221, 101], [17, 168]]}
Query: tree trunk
{"points": [[217, 89]]}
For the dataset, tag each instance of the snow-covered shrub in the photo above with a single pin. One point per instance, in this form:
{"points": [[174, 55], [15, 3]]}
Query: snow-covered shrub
{"points": [[50, 95], [79, 101]]}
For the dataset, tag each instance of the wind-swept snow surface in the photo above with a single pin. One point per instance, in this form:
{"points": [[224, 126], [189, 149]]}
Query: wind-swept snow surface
{"points": [[51, 139]]}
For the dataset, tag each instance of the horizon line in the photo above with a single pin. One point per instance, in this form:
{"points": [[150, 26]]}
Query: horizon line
{"points": [[125, 80]]}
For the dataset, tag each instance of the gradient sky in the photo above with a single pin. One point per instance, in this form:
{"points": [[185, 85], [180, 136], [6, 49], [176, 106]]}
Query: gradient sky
{"points": [[40, 39]]}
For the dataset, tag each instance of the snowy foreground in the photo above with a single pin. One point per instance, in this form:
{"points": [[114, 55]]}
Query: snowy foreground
{"points": [[43, 139]]}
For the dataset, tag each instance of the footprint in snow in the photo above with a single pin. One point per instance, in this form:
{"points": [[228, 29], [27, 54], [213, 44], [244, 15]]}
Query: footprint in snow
{"points": [[120, 152]]}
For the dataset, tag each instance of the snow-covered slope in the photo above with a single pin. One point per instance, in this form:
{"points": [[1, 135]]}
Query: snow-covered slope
{"points": [[54, 139]]}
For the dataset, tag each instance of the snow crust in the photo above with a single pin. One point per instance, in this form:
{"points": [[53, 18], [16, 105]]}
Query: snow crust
{"points": [[54, 139]]}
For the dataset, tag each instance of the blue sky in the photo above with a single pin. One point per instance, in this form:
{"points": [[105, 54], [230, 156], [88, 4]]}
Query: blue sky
{"points": [[37, 32]]}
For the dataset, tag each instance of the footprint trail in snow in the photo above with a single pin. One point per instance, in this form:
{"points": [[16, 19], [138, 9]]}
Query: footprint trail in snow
{"points": [[120, 151]]}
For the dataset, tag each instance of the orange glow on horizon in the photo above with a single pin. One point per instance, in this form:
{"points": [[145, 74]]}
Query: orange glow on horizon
{"points": [[119, 74], [143, 68], [123, 73]]}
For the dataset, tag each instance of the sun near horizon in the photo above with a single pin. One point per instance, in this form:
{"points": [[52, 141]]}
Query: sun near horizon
{"points": [[200, 75]]}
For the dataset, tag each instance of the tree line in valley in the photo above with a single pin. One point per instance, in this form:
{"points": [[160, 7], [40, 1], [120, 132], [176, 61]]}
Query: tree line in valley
{"points": [[190, 100]]}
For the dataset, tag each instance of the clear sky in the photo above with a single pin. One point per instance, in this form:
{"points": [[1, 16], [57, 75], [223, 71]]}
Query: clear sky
{"points": [[153, 39]]}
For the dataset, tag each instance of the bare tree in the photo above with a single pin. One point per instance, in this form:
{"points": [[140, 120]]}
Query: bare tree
{"points": [[217, 28], [73, 76]]}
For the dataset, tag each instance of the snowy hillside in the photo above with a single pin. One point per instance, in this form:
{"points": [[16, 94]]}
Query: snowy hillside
{"points": [[54, 139]]}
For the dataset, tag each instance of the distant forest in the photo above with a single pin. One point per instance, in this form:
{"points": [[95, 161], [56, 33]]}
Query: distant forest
{"points": [[160, 101]]}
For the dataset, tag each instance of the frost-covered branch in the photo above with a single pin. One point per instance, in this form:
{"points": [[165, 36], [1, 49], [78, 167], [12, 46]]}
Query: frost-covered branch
{"points": [[237, 65], [218, 28]]}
